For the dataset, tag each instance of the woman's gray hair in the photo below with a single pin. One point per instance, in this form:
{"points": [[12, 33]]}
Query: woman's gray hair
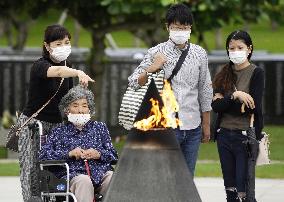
{"points": [[76, 93]]}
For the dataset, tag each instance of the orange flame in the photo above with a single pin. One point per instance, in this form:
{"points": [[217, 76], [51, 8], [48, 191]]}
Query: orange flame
{"points": [[161, 118]]}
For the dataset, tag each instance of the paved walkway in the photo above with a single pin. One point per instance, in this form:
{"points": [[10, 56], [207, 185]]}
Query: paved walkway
{"points": [[267, 190], [210, 189]]}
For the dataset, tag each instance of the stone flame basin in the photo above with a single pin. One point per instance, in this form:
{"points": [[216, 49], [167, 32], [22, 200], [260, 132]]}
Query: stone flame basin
{"points": [[151, 167]]}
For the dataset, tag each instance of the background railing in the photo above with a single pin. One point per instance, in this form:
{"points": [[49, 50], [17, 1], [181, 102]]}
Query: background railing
{"points": [[15, 69]]}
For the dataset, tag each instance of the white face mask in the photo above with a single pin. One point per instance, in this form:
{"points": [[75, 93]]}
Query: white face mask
{"points": [[79, 120], [179, 37], [238, 57], [61, 53]]}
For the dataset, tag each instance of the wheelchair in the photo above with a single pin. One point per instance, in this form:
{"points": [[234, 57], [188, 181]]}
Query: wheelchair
{"points": [[53, 188]]}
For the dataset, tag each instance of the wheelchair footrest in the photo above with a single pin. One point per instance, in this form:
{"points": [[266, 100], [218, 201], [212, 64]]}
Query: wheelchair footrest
{"points": [[50, 183]]}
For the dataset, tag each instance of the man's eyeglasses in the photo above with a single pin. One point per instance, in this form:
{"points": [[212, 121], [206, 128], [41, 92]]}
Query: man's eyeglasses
{"points": [[180, 28]]}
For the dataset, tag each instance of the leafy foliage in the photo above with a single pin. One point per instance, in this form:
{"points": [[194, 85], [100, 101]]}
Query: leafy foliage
{"points": [[144, 18]]}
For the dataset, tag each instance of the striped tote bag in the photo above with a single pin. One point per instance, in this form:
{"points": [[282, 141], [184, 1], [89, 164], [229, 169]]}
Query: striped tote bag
{"points": [[132, 100]]}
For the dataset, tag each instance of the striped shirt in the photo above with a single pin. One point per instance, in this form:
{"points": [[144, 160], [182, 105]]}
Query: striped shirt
{"points": [[192, 85]]}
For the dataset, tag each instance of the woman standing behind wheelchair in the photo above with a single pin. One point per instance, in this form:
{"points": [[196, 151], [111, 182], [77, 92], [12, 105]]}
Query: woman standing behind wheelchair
{"points": [[45, 79], [239, 82]]}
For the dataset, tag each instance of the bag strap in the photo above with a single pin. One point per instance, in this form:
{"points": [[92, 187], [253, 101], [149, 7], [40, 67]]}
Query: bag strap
{"points": [[251, 120], [179, 63], [40, 109], [251, 115]]}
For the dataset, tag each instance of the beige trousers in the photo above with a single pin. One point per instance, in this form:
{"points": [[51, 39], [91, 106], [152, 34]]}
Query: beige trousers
{"points": [[83, 188]]}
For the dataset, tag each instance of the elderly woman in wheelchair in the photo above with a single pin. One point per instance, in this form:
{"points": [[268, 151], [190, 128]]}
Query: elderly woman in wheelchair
{"points": [[84, 144]]}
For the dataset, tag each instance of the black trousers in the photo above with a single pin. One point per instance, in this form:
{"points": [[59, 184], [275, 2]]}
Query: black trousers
{"points": [[238, 167]]}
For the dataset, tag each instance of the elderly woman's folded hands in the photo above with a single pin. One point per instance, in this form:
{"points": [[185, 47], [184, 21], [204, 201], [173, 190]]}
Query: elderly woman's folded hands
{"points": [[91, 154], [79, 153]]}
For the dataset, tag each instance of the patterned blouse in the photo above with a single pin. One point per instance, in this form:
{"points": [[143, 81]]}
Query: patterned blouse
{"points": [[67, 137], [192, 85]]}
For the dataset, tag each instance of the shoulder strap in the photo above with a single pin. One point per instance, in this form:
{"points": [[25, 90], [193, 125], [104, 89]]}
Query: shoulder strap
{"points": [[179, 63], [40, 109], [251, 115]]}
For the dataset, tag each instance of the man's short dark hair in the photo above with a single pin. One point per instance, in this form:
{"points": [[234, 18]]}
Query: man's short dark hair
{"points": [[179, 13]]}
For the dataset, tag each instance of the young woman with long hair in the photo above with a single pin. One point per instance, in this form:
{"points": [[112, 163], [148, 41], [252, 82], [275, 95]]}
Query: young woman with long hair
{"points": [[239, 83]]}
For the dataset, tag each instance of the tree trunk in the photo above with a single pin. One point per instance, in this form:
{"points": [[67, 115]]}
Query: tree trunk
{"points": [[274, 25], [77, 28], [63, 17], [22, 27], [151, 36], [97, 67], [246, 26], [218, 39], [5, 31], [142, 34], [8, 32], [136, 42], [201, 40], [2, 26], [22, 34]]}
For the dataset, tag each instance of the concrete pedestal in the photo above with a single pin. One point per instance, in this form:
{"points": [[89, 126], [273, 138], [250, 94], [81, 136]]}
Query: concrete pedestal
{"points": [[152, 168]]}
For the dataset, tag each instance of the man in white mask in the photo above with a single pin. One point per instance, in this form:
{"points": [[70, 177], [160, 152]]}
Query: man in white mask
{"points": [[84, 144], [191, 85]]}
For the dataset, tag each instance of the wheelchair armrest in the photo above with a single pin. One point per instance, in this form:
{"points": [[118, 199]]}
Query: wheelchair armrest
{"points": [[113, 162], [52, 162]]}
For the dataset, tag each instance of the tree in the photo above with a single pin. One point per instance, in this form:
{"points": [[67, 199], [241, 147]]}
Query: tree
{"points": [[17, 16], [274, 11], [214, 14], [144, 18]]}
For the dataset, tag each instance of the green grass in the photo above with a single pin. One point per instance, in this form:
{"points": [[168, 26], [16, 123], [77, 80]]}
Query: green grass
{"points": [[3, 152], [119, 146], [13, 169], [209, 151], [9, 169], [270, 171], [208, 170], [275, 171], [264, 38]]}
